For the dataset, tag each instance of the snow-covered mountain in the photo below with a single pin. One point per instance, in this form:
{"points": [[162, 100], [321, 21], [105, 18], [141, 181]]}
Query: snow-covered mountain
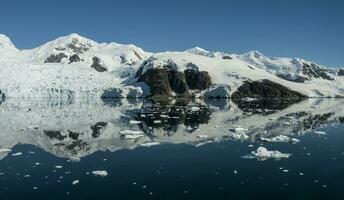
{"points": [[73, 67]]}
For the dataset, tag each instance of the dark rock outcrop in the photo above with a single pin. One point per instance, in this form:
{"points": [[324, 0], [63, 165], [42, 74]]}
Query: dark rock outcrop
{"points": [[314, 71], [266, 89], [341, 72], [177, 81], [226, 57], [55, 58], [74, 58], [97, 65], [157, 80], [197, 80], [288, 77], [77, 47], [163, 81]]}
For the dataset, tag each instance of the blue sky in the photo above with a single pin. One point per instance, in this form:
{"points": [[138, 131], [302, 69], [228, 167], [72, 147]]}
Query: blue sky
{"points": [[292, 28]]}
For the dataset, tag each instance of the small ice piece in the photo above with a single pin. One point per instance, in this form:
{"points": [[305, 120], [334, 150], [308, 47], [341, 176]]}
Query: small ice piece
{"points": [[157, 121], [149, 144], [239, 136], [58, 167], [35, 188], [286, 170], [235, 172], [320, 132], [26, 176], [134, 122], [195, 109], [17, 154], [281, 138], [301, 174], [202, 136], [101, 173], [37, 163], [263, 154], [164, 116], [251, 145], [75, 182]]}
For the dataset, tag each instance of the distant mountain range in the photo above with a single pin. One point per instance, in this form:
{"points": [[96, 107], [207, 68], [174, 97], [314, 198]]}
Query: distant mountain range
{"points": [[73, 67]]}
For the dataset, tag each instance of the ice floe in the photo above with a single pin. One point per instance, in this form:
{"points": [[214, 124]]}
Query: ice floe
{"points": [[263, 154], [101, 173], [149, 144], [281, 138], [17, 154]]}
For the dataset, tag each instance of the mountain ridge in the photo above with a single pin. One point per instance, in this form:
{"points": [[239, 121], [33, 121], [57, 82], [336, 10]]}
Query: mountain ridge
{"points": [[73, 66]]}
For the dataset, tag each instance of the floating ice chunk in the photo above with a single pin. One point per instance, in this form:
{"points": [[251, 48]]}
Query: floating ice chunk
{"points": [[26, 176], [149, 144], [203, 143], [263, 154], [202, 136], [320, 132], [35, 188], [281, 138], [101, 173], [157, 121], [194, 108], [134, 122], [235, 171], [17, 154], [37, 163], [75, 182], [58, 167]]}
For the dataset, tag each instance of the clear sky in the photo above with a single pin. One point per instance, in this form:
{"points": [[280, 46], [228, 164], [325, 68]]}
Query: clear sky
{"points": [[311, 29]]}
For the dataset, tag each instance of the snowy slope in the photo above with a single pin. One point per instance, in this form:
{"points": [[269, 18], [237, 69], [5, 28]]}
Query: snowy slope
{"points": [[73, 67]]}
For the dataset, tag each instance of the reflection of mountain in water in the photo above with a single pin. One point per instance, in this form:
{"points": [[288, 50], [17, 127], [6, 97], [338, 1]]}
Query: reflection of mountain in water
{"points": [[77, 129]]}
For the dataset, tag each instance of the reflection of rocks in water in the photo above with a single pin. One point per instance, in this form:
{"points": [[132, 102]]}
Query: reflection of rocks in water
{"points": [[2, 97], [80, 129], [263, 106], [313, 122], [170, 116], [54, 135], [96, 129]]}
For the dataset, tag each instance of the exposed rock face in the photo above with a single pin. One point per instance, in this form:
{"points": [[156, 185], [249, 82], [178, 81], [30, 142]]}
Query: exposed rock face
{"points": [[164, 81], [312, 70], [78, 47], [197, 80], [297, 79], [157, 79], [55, 58], [97, 65], [341, 72], [265, 89], [177, 81], [74, 58], [227, 58]]}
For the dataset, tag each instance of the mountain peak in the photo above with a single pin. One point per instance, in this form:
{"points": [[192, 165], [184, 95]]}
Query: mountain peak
{"points": [[6, 43]]}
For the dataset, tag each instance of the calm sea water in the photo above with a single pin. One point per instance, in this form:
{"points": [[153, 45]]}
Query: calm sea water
{"points": [[181, 150]]}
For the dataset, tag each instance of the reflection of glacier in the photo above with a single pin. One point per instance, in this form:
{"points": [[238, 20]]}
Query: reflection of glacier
{"points": [[77, 129]]}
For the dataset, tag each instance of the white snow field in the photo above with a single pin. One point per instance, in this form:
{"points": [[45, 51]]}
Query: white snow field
{"points": [[26, 73]]}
